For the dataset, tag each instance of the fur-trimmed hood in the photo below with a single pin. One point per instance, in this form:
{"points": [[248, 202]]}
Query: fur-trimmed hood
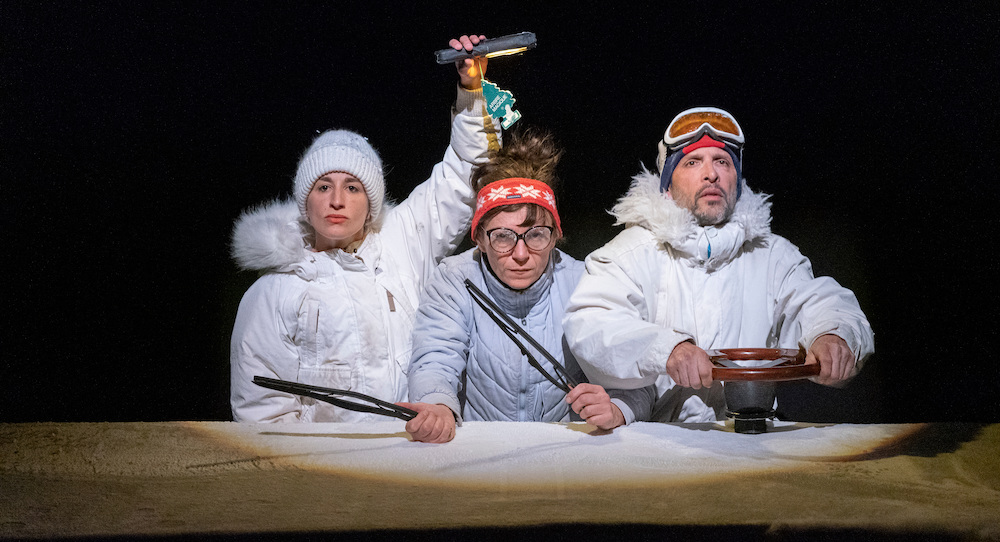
{"points": [[273, 236], [269, 236], [646, 206]]}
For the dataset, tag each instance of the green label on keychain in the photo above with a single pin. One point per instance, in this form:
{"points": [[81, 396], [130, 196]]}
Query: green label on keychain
{"points": [[499, 103]]}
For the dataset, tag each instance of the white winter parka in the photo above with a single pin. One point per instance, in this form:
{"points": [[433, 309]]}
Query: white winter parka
{"points": [[665, 280], [344, 320]]}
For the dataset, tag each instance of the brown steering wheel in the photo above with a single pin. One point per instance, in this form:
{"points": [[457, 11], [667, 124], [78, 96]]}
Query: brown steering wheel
{"points": [[792, 366]]}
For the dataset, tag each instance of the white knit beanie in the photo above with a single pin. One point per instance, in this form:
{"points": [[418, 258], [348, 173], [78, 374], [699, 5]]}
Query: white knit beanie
{"points": [[345, 151]]}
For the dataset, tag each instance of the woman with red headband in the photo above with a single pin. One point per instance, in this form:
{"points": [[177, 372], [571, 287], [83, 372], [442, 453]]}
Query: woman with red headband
{"points": [[464, 366]]}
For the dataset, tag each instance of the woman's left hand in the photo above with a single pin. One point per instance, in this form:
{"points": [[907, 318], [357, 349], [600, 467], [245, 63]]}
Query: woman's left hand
{"points": [[594, 405]]}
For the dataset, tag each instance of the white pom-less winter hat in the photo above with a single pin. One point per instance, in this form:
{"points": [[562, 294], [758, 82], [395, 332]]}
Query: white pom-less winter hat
{"points": [[346, 151]]}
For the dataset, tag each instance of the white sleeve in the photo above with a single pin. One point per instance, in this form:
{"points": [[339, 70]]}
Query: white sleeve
{"points": [[609, 321], [436, 215], [807, 306], [262, 346]]}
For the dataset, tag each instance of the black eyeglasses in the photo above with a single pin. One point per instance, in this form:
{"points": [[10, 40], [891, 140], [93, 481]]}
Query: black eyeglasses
{"points": [[504, 240]]}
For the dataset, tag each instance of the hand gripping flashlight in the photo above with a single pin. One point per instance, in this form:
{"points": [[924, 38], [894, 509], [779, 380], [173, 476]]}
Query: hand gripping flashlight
{"points": [[504, 45]]}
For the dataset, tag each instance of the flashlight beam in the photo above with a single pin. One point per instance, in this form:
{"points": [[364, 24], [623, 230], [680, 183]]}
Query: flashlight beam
{"points": [[504, 45], [506, 52]]}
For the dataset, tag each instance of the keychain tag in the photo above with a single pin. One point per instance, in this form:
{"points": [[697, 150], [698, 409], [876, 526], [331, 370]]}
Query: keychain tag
{"points": [[499, 104]]}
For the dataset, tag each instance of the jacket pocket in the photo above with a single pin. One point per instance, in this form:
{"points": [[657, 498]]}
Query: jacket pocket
{"points": [[323, 350], [337, 376]]}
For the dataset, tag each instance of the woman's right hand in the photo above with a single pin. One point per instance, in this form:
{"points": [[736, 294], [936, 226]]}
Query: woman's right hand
{"points": [[433, 423], [469, 68]]}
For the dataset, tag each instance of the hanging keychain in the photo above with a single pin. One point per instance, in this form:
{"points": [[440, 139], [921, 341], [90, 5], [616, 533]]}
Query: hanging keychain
{"points": [[499, 102]]}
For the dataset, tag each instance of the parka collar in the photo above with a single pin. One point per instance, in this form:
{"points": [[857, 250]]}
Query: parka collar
{"points": [[711, 246], [272, 237], [518, 303]]}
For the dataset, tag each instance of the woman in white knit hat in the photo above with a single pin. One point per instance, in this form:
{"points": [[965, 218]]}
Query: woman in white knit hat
{"points": [[343, 268]]}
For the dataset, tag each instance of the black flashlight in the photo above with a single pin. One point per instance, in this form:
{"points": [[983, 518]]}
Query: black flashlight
{"points": [[504, 45]]}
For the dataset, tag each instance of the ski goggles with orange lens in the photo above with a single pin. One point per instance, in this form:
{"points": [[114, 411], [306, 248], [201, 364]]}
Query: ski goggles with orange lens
{"points": [[692, 124]]}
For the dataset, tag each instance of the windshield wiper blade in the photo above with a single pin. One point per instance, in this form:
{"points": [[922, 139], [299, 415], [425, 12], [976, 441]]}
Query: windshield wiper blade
{"points": [[561, 379], [333, 396]]}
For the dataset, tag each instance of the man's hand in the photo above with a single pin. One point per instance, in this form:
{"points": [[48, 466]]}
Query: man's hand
{"points": [[689, 366], [433, 423], [836, 361], [469, 69], [594, 404]]}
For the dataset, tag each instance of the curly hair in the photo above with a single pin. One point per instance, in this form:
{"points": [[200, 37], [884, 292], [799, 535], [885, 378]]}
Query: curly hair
{"points": [[532, 153]]}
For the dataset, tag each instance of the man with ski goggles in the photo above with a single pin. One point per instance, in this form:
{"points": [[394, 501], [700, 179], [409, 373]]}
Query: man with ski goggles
{"points": [[697, 268]]}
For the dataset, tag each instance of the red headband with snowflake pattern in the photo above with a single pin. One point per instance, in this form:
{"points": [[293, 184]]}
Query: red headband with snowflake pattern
{"points": [[511, 192]]}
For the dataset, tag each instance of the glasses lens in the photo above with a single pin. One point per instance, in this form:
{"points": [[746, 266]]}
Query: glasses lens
{"points": [[503, 240], [690, 123], [537, 238]]}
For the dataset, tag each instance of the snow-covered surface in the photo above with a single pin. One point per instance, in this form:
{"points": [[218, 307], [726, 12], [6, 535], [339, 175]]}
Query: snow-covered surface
{"points": [[540, 453], [482, 452], [123, 479]]}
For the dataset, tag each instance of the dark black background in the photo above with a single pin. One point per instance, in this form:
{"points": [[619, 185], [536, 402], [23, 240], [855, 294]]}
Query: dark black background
{"points": [[133, 134]]}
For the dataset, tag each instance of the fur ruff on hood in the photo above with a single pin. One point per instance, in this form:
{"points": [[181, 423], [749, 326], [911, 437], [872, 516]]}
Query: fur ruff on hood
{"points": [[273, 236], [270, 236], [645, 205]]}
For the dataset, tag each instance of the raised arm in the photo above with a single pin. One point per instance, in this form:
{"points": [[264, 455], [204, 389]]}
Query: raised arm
{"points": [[436, 214]]}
